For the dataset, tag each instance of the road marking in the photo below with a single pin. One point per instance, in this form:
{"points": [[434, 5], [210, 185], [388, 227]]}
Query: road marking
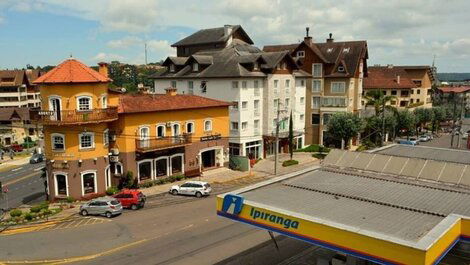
{"points": [[19, 179], [39, 168], [16, 169]]}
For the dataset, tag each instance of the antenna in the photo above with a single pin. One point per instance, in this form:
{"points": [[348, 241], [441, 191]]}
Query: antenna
{"points": [[433, 61], [146, 53]]}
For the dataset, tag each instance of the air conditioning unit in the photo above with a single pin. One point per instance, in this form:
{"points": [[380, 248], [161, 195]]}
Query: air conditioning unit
{"points": [[113, 159]]}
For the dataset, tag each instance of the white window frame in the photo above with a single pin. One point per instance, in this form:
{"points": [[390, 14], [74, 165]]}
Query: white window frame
{"points": [[313, 69], [246, 105], [172, 68], [186, 127], [246, 126], [106, 137], [203, 87], [210, 122], [319, 103], [313, 86], [287, 83], [95, 185], [336, 92], [286, 103], [301, 54], [107, 176], [190, 87], [256, 106], [56, 188], [53, 135], [92, 134], [173, 82], [152, 170], [90, 102], [302, 100], [195, 67], [104, 101], [276, 83], [156, 130], [172, 128], [244, 84], [116, 166], [171, 166], [235, 84]]}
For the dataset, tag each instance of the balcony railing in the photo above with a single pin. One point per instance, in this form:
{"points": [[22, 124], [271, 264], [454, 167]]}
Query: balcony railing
{"points": [[155, 144], [65, 117]]}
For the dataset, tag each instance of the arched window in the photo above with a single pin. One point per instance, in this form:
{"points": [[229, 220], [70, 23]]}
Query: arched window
{"points": [[58, 142], [189, 127], [104, 102], [161, 128], [87, 140], [207, 125], [84, 103], [88, 182]]}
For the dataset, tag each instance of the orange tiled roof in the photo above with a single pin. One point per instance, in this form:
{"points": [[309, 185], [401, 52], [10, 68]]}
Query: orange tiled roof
{"points": [[457, 89], [129, 103], [71, 71], [382, 77]]}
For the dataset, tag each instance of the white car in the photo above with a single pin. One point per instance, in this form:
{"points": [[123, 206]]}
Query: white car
{"points": [[424, 138], [195, 188]]}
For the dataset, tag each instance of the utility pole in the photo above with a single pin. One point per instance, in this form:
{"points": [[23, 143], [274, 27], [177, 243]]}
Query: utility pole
{"points": [[453, 120], [383, 123], [146, 53], [277, 136]]}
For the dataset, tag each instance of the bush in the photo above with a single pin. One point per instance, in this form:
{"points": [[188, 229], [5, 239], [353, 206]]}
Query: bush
{"points": [[289, 163], [319, 155], [112, 190], [70, 199], [314, 148], [47, 212], [16, 213], [29, 216], [35, 209]]}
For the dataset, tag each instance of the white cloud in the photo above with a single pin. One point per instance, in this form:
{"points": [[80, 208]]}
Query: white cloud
{"points": [[106, 57], [160, 48], [125, 42]]}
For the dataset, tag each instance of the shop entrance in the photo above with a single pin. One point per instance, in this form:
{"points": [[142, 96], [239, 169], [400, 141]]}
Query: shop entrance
{"points": [[208, 159]]}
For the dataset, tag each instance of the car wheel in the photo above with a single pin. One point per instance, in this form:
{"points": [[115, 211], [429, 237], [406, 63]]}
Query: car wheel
{"points": [[134, 207], [174, 192], [84, 213], [108, 214], [198, 194]]}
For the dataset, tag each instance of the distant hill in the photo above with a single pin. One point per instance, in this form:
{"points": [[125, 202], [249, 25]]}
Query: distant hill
{"points": [[453, 77]]}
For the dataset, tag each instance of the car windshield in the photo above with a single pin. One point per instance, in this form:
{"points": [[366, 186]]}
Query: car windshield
{"points": [[207, 185], [114, 202]]}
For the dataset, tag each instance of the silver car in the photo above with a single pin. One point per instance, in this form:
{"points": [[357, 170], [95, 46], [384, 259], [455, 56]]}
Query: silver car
{"points": [[106, 206], [195, 188]]}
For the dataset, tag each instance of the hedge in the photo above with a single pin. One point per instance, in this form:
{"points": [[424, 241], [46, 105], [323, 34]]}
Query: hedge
{"points": [[289, 163]]}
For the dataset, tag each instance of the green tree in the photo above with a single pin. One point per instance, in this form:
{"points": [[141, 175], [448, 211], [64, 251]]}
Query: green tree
{"points": [[439, 115], [374, 125], [379, 101], [405, 122], [291, 136], [344, 126], [422, 117]]}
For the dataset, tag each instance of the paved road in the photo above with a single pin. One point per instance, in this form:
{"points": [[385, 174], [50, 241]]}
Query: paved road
{"points": [[444, 142], [24, 184]]}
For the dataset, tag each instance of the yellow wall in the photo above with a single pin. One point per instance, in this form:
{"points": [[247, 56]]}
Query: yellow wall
{"points": [[69, 93], [443, 243], [127, 127], [72, 151]]}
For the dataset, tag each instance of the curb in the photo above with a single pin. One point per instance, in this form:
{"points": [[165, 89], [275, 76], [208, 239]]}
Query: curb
{"points": [[33, 227]]}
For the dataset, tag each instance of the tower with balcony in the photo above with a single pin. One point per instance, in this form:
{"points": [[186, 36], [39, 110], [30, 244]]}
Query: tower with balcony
{"points": [[75, 115]]}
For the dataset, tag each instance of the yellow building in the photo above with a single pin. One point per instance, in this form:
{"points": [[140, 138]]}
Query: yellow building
{"points": [[94, 135]]}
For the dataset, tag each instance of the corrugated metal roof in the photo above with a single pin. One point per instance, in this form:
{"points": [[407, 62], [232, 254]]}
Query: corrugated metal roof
{"points": [[400, 209], [431, 153]]}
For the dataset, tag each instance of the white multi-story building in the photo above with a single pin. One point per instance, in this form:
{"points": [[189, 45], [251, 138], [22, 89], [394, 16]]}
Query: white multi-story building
{"points": [[221, 63], [17, 89]]}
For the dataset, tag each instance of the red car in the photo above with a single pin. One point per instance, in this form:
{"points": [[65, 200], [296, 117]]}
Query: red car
{"points": [[133, 199], [16, 147]]}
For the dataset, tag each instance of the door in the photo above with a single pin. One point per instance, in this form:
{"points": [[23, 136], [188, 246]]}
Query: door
{"points": [[54, 105], [208, 159], [185, 188], [107, 174], [61, 181], [93, 207], [175, 130]]}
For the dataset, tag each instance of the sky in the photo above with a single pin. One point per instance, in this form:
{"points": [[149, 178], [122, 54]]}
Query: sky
{"points": [[411, 32]]}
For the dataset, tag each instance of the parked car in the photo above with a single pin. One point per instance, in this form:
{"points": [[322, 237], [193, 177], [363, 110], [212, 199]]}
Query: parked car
{"points": [[36, 158], [16, 147], [424, 138], [107, 206], [133, 199], [195, 188], [407, 142]]}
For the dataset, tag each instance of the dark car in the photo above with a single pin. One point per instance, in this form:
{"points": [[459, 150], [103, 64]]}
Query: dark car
{"points": [[133, 199], [36, 158]]}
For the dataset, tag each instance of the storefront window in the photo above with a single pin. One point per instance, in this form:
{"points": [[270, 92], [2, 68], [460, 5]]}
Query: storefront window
{"points": [[161, 167], [145, 170], [89, 183], [234, 149], [176, 165], [253, 149]]}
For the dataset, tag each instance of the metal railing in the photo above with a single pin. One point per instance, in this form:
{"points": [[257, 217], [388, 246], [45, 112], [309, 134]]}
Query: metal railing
{"points": [[74, 116], [148, 145]]}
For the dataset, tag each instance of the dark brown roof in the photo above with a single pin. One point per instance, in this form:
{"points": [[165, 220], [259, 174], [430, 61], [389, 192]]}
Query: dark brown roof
{"points": [[71, 71], [9, 78], [162, 102], [9, 114], [345, 53], [33, 74], [382, 77], [212, 35]]}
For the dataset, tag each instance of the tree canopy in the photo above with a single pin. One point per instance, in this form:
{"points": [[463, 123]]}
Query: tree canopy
{"points": [[344, 126]]}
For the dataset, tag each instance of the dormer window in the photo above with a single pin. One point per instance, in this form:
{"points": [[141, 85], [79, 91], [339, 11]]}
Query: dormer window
{"points": [[172, 68], [284, 66], [346, 50], [255, 66], [340, 69], [195, 67], [301, 54], [329, 50]]}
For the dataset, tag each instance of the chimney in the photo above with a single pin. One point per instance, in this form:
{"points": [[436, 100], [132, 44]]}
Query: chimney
{"points": [[227, 30], [171, 91], [103, 69], [307, 38], [330, 39], [398, 79]]}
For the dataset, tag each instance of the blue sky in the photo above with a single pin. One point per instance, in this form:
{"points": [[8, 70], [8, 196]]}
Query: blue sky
{"points": [[44, 32]]}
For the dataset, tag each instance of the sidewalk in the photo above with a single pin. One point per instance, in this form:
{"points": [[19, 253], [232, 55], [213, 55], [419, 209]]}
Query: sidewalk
{"points": [[7, 163], [262, 169]]}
